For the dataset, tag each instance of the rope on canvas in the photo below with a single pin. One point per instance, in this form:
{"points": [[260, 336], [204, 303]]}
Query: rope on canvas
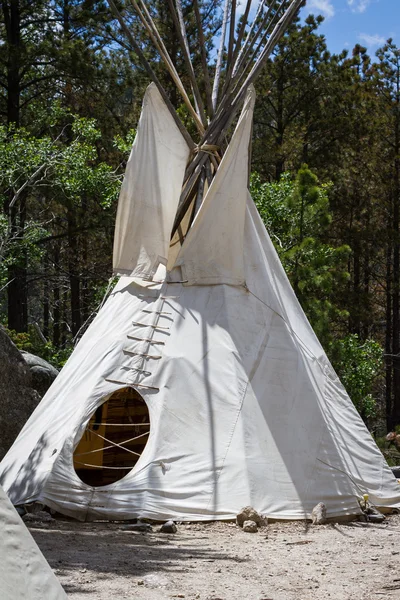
{"points": [[118, 445], [108, 447]]}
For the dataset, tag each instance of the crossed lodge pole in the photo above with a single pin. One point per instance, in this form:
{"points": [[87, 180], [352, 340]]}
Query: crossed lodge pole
{"points": [[244, 53]]}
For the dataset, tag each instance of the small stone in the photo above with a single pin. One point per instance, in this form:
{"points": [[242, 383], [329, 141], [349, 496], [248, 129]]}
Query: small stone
{"points": [[168, 527], [248, 513], [140, 582], [250, 527], [318, 515], [41, 517]]}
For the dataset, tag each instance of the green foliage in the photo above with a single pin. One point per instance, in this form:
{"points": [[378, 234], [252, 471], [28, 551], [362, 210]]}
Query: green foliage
{"points": [[21, 154], [359, 365], [16, 248], [296, 214], [78, 103], [391, 454], [69, 162], [102, 291], [63, 167], [124, 143], [32, 342], [76, 171]]}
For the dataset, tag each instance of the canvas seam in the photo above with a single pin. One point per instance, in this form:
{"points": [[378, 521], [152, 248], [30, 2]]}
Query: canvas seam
{"points": [[229, 442]]}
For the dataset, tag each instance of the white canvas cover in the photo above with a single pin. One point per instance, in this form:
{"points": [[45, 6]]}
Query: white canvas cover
{"points": [[221, 216], [244, 405], [24, 572], [150, 191]]}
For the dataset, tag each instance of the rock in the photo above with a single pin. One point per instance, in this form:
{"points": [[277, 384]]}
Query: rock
{"points": [[41, 516], [42, 373], [318, 515], [248, 513], [250, 527], [18, 399], [155, 580], [168, 527], [142, 527], [396, 472], [35, 507]]}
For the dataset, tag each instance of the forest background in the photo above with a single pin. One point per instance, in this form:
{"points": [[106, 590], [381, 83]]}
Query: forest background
{"points": [[325, 178]]}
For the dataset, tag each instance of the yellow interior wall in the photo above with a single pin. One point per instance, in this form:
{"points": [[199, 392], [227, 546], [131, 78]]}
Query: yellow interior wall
{"points": [[90, 441]]}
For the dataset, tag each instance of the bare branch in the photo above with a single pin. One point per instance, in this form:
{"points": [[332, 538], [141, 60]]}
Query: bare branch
{"points": [[24, 185]]}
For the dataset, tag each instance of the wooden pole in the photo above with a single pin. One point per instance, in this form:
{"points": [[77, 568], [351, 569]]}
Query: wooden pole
{"points": [[159, 44], [248, 36], [241, 32], [263, 39], [151, 74], [183, 41], [218, 67], [277, 33], [203, 57], [231, 38], [186, 196], [202, 164], [256, 36]]}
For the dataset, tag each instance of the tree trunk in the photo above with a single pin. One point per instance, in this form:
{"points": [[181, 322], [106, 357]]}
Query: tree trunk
{"points": [[56, 297], [280, 162], [12, 22], [388, 339], [46, 297], [396, 297], [355, 314], [17, 298], [17, 289], [73, 268]]}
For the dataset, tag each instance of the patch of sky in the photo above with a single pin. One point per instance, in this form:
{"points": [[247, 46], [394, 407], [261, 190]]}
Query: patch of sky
{"points": [[347, 22], [350, 22]]}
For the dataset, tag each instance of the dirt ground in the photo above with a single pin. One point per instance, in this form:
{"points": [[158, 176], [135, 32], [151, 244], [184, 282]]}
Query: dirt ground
{"points": [[218, 561]]}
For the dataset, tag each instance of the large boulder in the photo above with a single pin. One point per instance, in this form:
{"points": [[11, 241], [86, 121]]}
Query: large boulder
{"points": [[17, 397], [42, 373]]}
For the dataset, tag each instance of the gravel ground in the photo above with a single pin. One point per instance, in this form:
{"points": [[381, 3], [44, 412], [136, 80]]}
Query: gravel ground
{"points": [[218, 561]]}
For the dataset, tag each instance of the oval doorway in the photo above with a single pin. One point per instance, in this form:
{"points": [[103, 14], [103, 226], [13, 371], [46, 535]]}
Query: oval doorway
{"points": [[114, 439]]}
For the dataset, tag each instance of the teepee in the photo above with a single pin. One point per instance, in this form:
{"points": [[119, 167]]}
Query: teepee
{"points": [[200, 387], [24, 572]]}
